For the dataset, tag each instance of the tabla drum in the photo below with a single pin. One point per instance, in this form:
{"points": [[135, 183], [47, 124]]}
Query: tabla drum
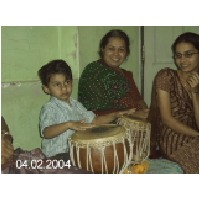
{"points": [[138, 131], [102, 149]]}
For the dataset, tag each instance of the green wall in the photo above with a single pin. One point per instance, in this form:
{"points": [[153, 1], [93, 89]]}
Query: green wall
{"points": [[25, 49]]}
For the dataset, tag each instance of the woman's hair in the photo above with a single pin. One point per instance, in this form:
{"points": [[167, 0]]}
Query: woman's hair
{"points": [[54, 67], [115, 33], [188, 37]]}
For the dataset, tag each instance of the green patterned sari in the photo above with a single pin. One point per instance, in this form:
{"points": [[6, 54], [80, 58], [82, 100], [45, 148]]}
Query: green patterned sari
{"points": [[104, 88]]}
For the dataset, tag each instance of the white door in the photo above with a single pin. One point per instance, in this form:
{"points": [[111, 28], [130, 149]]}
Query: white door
{"points": [[157, 51]]}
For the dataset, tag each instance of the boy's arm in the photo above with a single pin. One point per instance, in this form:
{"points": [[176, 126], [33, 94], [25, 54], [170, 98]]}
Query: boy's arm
{"points": [[57, 129]]}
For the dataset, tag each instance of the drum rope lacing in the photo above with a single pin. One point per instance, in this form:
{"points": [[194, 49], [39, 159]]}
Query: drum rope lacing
{"points": [[103, 159], [139, 138], [101, 146], [136, 134]]}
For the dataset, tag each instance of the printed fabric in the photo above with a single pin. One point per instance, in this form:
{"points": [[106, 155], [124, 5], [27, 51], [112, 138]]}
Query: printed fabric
{"points": [[171, 145], [105, 88]]}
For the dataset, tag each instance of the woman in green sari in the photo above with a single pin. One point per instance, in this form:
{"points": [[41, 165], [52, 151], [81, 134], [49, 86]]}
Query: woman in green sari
{"points": [[104, 86]]}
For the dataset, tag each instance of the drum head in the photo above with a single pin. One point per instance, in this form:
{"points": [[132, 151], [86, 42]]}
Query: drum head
{"points": [[99, 134]]}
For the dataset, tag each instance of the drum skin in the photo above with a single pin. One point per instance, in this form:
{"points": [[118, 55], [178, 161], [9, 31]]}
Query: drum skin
{"points": [[107, 151]]}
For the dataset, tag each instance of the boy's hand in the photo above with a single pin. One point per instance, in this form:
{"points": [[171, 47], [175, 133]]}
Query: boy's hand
{"points": [[80, 125]]}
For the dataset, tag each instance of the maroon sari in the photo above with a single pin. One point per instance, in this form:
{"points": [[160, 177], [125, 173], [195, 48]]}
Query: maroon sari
{"points": [[166, 142]]}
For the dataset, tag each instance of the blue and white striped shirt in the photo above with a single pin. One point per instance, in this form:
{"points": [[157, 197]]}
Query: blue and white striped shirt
{"points": [[56, 111]]}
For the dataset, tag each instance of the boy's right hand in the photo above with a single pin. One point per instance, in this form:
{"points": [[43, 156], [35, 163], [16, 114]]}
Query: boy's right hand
{"points": [[80, 125]]}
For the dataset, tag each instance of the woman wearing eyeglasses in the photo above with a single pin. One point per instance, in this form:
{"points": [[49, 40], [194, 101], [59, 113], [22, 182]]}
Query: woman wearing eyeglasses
{"points": [[174, 111]]}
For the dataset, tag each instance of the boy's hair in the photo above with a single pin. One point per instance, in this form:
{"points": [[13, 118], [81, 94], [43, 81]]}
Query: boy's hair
{"points": [[54, 67]]}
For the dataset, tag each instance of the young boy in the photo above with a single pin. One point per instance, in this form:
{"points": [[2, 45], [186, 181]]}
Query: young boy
{"points": [[62, 115]]}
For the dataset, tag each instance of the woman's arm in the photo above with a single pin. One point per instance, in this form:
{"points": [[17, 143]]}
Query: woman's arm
{"points": [[168, 119], [195, 101], [104, 119], [193, 82]]}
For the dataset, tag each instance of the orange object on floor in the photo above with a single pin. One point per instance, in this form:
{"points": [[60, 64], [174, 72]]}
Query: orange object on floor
{"points": [[138, 168]]}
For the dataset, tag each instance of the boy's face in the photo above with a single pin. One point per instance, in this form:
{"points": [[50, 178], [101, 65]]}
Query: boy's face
{"points": [[59, 87]]}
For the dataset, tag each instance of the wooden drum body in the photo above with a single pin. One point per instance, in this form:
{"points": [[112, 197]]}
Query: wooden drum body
{"points": [[138, 131], [103, 149]]}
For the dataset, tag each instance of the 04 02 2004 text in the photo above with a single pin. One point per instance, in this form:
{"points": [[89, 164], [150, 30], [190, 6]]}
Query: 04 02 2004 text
{"points": [[42, 164]]}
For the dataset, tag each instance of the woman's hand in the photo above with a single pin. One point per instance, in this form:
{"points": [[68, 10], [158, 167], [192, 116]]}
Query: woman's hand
{"points": [[126, 112], [193, 82], [141, 114]]}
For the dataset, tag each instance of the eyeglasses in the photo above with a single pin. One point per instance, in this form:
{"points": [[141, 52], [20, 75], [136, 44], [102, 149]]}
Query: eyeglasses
{"points": [[187, 54]]}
